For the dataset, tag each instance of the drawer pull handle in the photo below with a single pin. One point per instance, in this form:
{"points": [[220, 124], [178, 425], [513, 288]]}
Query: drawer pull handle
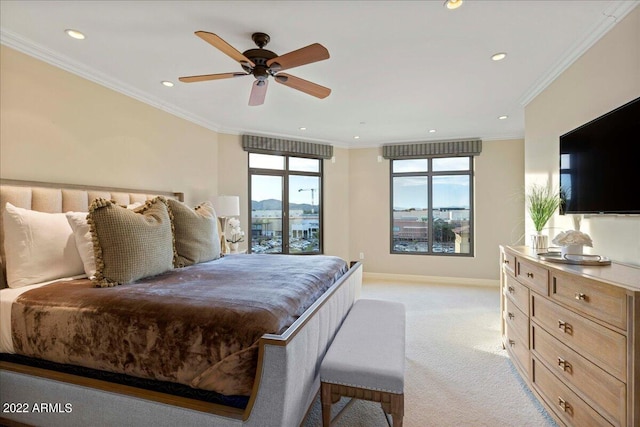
{"points": [[566, 366], [512, 343], [506, 261], [530, 275], [511, 289], [511, 315], [564, 405], [566, 328], [581, 297]]}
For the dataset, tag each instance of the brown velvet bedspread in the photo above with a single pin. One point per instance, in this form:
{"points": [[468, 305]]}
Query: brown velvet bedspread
{"points": [[198, 325]]}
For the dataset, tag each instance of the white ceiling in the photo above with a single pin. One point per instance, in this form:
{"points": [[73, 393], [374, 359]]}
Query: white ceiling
{"points": [[397, 68]]}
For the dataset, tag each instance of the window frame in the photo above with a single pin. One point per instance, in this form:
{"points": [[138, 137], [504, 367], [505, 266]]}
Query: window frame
{"points": [[430, 174], [285, 174]]}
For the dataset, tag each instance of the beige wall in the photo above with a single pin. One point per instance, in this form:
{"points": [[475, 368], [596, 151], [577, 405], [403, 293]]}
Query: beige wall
{"points": [[499, 172], [336, 204], [605, 77], [233, 171], [58, 127]]}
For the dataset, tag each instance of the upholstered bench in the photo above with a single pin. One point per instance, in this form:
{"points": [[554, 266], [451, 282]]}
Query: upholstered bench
{"points": [[366, 359]]}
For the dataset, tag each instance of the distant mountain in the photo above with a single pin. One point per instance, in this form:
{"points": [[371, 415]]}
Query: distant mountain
{"points": [[276, 205], [266, 205]]}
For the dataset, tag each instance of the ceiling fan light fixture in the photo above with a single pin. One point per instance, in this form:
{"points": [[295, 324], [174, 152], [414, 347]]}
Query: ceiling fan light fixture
{"points": [[452, 4], [503, 117], [498, 56], [75, 34], [167, 83]]}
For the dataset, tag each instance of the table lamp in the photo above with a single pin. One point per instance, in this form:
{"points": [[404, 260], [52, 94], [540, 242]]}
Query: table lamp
{"points": [[225, 206]]}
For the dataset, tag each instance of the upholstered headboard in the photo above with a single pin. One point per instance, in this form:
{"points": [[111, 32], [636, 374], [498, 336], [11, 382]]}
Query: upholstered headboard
{"points": [[58, 198]]}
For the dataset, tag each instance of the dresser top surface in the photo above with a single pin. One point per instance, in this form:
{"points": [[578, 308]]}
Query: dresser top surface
{"points": [[622, 275]]}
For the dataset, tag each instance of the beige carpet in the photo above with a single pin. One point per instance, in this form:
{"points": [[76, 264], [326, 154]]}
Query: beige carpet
{"points": [[457, 372]]}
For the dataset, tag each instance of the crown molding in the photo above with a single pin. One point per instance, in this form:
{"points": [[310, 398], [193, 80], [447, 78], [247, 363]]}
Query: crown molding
{"points": [[63, 62], [37, 51], [611, 16]]}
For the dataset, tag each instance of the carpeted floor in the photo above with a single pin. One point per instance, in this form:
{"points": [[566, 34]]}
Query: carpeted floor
{"points": [[457, 373]]}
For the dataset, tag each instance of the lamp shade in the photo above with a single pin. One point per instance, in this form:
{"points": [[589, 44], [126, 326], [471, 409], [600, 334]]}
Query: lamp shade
{"points": [[226, 205]]}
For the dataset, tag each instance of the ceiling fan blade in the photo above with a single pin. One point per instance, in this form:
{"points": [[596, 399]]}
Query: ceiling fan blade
{"points": [[205, 77], [217, 42], [306, 55], [258, 92], [302, 85]]}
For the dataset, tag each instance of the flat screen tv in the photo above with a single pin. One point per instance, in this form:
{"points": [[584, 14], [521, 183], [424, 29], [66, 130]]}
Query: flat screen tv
{"points": [[600, 164]]}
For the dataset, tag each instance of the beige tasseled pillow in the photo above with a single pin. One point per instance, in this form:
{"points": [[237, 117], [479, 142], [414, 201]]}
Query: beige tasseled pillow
{"points": [[130, 245], [196, 233]]}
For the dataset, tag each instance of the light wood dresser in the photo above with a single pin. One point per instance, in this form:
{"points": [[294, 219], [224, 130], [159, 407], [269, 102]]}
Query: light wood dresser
{"points": [[573, 333]]}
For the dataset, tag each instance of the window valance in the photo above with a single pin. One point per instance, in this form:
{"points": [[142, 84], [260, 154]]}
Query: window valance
{"points": [[266, 145], [469, 147]]}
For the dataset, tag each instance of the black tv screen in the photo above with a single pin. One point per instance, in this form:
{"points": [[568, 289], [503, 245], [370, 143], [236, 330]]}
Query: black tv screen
{"points": [[600, 164]]}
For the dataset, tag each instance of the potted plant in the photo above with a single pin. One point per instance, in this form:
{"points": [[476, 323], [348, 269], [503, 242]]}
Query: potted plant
{"points": [[542, 204]]}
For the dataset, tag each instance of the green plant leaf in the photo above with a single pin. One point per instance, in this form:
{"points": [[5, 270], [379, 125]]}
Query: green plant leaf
{"points": [[543, 203]]}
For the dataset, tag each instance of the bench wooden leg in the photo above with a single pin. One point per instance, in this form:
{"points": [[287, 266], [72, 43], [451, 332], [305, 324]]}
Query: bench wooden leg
{"points": [[325, 399], [392, 403], [397, 409]]}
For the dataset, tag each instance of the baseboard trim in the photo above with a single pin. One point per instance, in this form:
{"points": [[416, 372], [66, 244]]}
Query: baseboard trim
{"points": [[441, 280]]}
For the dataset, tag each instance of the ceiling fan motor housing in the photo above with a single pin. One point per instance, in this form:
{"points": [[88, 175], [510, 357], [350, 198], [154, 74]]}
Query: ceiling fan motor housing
{"points": [[259, 57]]}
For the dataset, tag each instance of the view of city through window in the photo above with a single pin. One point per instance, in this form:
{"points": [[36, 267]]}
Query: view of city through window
{"points": [[285, 195], [431, 210]]}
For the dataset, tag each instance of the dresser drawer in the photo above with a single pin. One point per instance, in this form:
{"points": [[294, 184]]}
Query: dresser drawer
{"points": [[602, 391], [509, 262], [536, 277], [516, 319], [604, 302], [565, 403], [600, 345], [518, 348], [518, 293]]}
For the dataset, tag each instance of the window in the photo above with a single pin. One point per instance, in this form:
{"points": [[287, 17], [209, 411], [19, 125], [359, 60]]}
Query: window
{"points": [[286, 194], [431, 206]]}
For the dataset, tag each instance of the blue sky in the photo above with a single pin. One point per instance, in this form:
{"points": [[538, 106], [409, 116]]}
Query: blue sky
{"points": [[449, 191]]}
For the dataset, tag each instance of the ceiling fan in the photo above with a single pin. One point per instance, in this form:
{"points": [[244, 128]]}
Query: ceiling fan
{"points": [[262, 63]]}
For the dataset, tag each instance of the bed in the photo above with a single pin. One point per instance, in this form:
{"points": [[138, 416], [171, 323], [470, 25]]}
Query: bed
{"points": [[283, 370]]}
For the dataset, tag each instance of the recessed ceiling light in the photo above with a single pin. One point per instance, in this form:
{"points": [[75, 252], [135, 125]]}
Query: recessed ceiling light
{"points": [[303, 128], [432, 131], [453, 4], [503, 117], [499, 56], [75, 34], [167, 83], [356, 137]]}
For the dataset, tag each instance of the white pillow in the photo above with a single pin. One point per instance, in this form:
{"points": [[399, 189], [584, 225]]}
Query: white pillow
{"points": [[135, 205], [38, 247], [82, 235]]}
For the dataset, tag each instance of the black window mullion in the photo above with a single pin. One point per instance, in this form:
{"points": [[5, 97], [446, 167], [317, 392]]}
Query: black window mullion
{"points": [[286, 175], [285, 208], [430, 208], [430, 174]]}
